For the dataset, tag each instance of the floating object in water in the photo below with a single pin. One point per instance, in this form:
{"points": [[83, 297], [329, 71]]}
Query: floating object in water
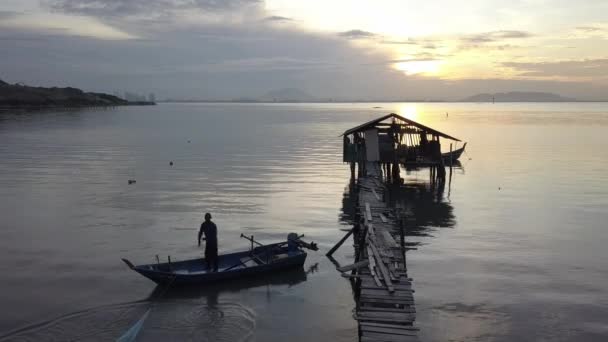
{"points": [[377, 107], [261, 259], [171, 163], [188, 141], [132, 181], [131, 334], [498, 188]]}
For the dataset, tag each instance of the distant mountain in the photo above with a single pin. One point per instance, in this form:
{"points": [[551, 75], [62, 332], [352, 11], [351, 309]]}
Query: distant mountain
{"points": [[518, 96], [17, 95], [287, 95]]}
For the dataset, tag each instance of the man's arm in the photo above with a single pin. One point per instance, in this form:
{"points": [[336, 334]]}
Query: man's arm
{"points": [[200, 234]]}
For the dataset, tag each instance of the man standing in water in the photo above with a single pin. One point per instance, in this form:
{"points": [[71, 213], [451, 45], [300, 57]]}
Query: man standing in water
{"points": [[210, 230]]}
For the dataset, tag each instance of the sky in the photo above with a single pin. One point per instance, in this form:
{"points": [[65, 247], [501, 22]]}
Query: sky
{"points": [[339, 49]]}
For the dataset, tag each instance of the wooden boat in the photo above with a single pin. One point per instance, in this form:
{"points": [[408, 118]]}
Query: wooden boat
{"points": [[258, 260], [454, 155]]}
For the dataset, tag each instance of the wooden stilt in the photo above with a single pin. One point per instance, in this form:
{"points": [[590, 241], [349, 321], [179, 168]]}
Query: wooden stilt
{"points": [[334, 248]]}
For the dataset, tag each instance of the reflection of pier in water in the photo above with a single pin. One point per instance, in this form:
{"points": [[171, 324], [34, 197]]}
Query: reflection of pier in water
{"points": [[423, 207]]}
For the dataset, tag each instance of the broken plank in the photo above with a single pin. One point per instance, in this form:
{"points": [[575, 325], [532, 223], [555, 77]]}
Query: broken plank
{"points": [[368, 212], [334, 248], [376, 195], [372, 266], [351, 267], [383, 270]]}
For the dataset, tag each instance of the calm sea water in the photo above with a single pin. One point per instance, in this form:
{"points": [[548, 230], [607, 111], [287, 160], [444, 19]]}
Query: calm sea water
{"points": [[513, 249]]}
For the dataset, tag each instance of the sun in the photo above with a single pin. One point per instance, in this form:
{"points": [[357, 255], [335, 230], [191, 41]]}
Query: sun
{"points": [[426, 67], [409, 111]]}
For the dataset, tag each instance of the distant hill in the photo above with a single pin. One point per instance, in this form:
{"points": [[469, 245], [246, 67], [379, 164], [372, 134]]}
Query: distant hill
{"points": [[287, 95], [17, 95], [517, 96]]}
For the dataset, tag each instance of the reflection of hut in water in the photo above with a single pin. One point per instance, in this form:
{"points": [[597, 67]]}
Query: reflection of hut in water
{"points": [[393, 140], [348, 211], [423, 208]]}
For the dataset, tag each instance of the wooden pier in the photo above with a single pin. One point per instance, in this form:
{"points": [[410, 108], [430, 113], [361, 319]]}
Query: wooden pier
{"points": [[383, 292], [382, 289]]}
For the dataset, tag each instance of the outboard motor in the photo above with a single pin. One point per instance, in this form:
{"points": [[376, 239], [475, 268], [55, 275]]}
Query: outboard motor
{"points": [[292, 242]]}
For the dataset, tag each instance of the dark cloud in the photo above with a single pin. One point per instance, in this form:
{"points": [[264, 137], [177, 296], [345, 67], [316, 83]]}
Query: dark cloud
{"points": [[589, 68], [277, 18], [357, 34], [511, 34], [494, 36], [118, 8], [399, 42], [8, 14]]}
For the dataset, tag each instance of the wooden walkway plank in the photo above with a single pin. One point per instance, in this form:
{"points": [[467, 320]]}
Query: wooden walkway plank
{"points": [[390, 326], [379, 330], [404, 339], [385, 309]]}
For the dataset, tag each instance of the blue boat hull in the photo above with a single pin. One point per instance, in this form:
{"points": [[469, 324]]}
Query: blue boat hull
{"points": [[262, 260]]}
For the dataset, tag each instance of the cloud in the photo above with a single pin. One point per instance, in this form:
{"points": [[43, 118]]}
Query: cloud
{"points": [[399, 42], [598, 30], [494, 36], [589, 28], [261, 64], [37, 24], [277, 18], [357, 34], [407, 60], [120, 8], [587, 68], [9, 14]]}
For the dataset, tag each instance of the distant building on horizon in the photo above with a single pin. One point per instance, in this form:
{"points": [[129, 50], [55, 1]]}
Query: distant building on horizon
{"points": [[134, 97]]}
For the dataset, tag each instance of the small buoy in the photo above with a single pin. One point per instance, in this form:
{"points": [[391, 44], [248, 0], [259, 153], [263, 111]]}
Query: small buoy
{"points": [[171, 163], [132, 181]]}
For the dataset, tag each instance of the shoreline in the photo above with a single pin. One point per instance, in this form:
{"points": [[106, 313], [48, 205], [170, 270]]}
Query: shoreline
{"points": [[74, 106]]}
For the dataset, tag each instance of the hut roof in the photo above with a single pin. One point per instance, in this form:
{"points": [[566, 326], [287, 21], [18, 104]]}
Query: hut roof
{"points": [[408, 122]]}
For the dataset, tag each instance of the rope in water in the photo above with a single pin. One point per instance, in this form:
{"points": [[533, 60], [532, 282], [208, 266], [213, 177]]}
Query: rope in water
{"points": [[131, 334]]}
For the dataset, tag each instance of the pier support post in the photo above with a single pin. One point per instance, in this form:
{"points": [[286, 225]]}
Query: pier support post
{"points": [[396, 171]]}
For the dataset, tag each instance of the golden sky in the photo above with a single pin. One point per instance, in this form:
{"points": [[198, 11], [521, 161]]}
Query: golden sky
{"points": [[479, 39]]}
